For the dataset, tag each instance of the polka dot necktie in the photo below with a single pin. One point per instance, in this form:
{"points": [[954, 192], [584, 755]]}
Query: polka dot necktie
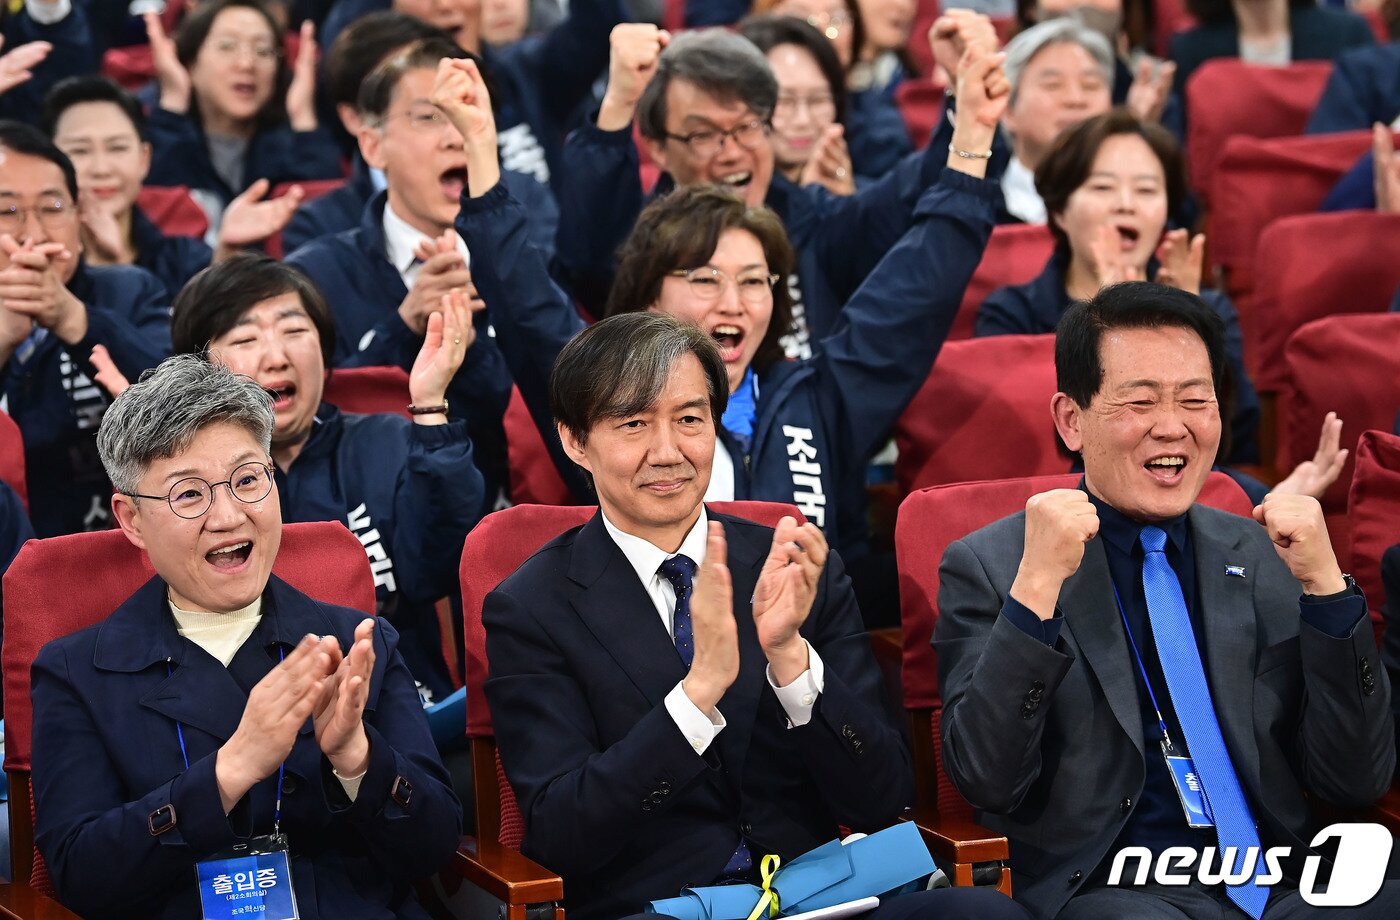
{"points": [[679, 570]]}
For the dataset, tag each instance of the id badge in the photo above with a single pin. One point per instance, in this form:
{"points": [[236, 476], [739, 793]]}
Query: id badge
{"points": [[248, 880], [1188, 787]]}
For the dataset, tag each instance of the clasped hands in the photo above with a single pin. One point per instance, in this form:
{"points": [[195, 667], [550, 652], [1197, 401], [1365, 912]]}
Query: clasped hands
{"points": [[783, 596], [316, 681], [33, 292]]}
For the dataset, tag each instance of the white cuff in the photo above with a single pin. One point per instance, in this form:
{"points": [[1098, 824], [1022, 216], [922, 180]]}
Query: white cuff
{"points": [[46, 14], [800, 696], [351, 784], [699, 729]]}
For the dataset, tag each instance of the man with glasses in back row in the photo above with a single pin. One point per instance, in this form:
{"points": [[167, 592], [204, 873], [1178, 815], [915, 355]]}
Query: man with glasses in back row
{"points": [[54, 309]]}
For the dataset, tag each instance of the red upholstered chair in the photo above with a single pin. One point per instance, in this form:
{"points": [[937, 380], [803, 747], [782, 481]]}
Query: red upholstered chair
{"points": [[12, 458], [920, 103], [313, 189], [1015, 254], [173, 210], [1318, 265], [1350, 364], [58, 586], [1226, 96], [1168, 18], [1374, 509], [1259, 180], [367, 390], [929, 520], [984, 412], [533, 477]]}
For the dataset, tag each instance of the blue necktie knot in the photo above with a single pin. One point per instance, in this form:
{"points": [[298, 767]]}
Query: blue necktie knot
{"points": [[679, 570], [1153, 539]]}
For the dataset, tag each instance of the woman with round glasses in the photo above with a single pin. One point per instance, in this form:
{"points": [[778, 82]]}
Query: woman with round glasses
{"points": [[795, 431], [230, 112], [219, 706]]}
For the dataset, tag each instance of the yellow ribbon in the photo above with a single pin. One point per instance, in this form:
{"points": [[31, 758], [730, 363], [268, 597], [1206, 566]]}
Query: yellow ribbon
{"points": [[768, 868]]}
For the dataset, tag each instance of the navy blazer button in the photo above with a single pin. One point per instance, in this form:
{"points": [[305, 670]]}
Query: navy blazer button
{"points": [[656, 798], [665, 788], [1074, 879], [847, 731], [1035, 694], [1037, 685], [289, 785], [746, 829], [646, 806], [1126, 805]]}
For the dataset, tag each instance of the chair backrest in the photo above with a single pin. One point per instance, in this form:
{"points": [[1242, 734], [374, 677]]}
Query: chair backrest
{"points": [[533, 477], [12, 458], [983, 412], [921, 103], [173, 210], [61, 585], [312, 189], [1374, 509], [1168, 18], [1226, 97], [1015, 254], [1349, 364], [494, 549], [1319, 265], [369, 390], [1259, 180], [929, 520]]}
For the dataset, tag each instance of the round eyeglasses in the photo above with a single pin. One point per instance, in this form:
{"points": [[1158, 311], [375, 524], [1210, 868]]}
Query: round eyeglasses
{"points": [[190, 498]]}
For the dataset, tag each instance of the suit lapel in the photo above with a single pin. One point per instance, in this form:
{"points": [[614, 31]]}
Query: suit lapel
{"points": [[1091, 612], [200, 693]]}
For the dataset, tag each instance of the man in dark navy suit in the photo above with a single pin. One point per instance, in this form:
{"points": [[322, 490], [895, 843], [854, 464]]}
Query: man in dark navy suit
{"points": [[676, 692]]}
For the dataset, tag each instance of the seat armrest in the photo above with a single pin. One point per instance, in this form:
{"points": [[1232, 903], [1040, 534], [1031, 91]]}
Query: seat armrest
{"points": [[958, 840], [507, 875], [20, 902]]}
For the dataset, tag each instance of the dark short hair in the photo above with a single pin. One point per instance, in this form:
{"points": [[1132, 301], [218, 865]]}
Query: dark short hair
{"points": [[715, 61], [619, 367], [769, 32], [194, 30], [681, 231], [363, 45], [1071, 159], [89, 88], [215, 299], [18, 137], [1131, 305], [377, 91]]}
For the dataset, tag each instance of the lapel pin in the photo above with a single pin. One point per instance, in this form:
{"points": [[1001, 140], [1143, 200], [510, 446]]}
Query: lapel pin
{"points": [[1235, 570]]}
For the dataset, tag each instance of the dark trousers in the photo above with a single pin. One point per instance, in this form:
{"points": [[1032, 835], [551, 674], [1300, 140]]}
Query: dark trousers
{"points": [[943, 904]]}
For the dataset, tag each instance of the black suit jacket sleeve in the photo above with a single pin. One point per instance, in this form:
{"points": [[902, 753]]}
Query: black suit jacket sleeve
{"points": [[997, 684]]}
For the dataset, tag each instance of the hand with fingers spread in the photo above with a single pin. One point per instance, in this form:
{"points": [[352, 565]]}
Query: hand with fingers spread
{"points": [[634, 50], [1058, 525], [450, 333], [1181, 256], [33, 284], [1106, 258], [953, 33], [830, 163], [713, 630], [103, 240], [277, 708], [787, 586], [1299, 534], [460, 92], [339, 714], [171, 76], [109, 376], [1151, 87], [301, 92], [1387, 167], [17, 65], [1313, 477], [443, 270], [250, 219]]}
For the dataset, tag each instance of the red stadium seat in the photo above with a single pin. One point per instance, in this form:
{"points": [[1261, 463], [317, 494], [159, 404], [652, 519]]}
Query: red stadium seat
{"points": [[1374, 509], [12, 458], [983, 395], [173, 210], [1348, 364], [97, 572], [313, 189], [1168, 18], [929, 520], [367, 390], [1319, 265], [1261, 180], [533, 477], [1015, 254], [920, 103], [1227, 97]]}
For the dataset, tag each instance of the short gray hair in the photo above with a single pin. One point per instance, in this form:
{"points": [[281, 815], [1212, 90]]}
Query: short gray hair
{"points": [[717, 61], [159, 416], [1061, 30]]}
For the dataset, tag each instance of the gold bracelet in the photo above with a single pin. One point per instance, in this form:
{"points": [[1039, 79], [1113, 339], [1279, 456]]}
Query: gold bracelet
{"points": [[968, 154]]}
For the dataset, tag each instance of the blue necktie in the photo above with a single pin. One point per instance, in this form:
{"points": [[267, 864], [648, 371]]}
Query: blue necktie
{"points": [[679, 570], [1186, 683]]}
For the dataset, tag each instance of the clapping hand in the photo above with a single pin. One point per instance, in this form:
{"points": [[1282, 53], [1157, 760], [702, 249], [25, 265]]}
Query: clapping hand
{"points": [[1151, 87], [1313, 477], [830, 163], [714, 633], [443, 270], [109, 376], [17, 66], [1181, 256], [1106, 255], [301, 92], [338, 716], [450, 333], [171, 76], [250, 219], [787, 586]]}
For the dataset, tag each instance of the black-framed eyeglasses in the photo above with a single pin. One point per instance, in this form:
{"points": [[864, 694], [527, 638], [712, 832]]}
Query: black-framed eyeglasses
{"points": [[192, 497], [706, 144]]}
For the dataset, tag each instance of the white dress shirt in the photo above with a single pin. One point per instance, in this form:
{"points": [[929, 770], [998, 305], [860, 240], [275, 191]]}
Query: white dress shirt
{"points": [[46, 14], [400, 242], [1018, 188], [721, 487], [797, 698]]}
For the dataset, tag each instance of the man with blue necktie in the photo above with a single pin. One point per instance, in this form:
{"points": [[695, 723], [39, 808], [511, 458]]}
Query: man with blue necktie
{"points": [[1123, 667]]}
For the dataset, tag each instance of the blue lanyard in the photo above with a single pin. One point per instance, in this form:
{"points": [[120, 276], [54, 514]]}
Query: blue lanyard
{"points": [[1161, 722], [281, 770]]}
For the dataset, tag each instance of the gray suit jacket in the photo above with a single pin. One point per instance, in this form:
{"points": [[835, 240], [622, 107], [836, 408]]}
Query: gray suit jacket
{"points": [[1047, 742]]}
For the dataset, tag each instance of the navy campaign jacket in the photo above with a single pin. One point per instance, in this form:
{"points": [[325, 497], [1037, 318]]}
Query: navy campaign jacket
{"points": [[613, 796], [172, 259], [107, 701], [53, 397], [1364, 88], [73, 53], [819, 420], [410, 493]]}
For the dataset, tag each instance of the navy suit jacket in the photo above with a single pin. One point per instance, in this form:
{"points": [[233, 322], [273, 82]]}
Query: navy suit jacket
{"points": [[614, 797], [106, 756]]}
